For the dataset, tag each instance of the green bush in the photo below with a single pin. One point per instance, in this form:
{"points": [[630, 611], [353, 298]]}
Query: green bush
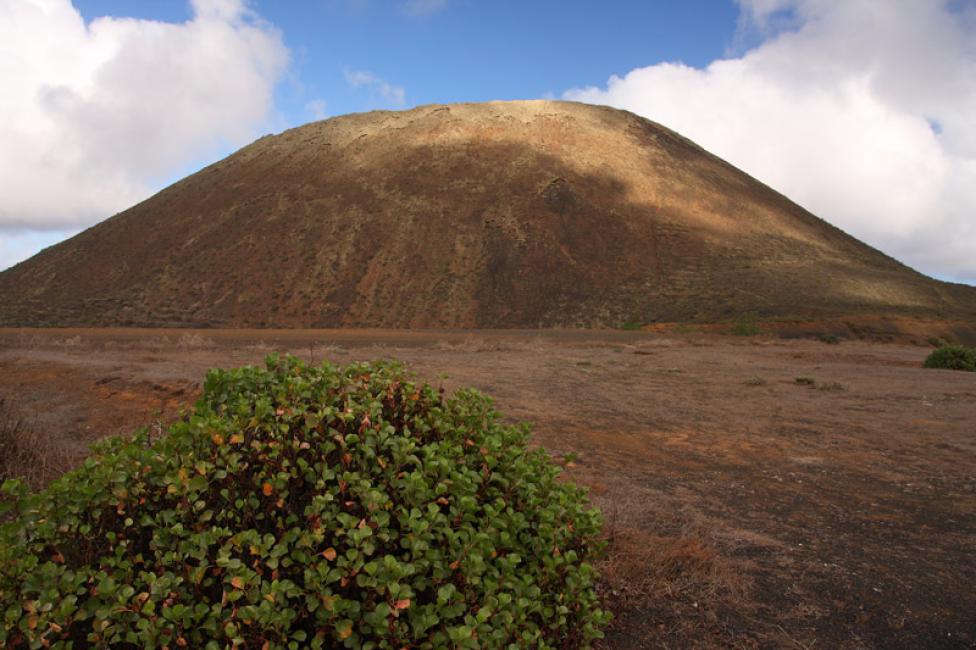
{"points": [[745, 327], [306, 506], [952, 357], [630, 325]]}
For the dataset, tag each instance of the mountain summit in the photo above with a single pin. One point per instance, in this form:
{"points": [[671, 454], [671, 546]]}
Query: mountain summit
{"points": [[504, 214]]}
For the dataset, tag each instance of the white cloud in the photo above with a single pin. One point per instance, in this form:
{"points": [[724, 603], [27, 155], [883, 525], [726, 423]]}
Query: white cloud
{"points": [[94, 116], [423, 7], [861, 111], [386, 93]]}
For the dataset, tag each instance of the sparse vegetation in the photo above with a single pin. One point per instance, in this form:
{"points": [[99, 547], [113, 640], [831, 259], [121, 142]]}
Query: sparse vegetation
{"points": [[25, 455], [755, 381], [668, 576], [829, 339], [806, 381], [830, 386], [10, 440], [194, 341], [952, 357], [302, 506], [630, 325], [745, 327]]}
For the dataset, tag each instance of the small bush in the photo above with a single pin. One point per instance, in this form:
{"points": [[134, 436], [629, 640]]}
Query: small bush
{"points": [[306, 507], [952, 357], [755, 381], [630, 325], [806, 381], [745, 328], [829, 339]]}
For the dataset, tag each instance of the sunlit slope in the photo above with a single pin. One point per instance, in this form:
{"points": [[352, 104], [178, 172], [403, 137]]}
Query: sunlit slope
{"points": [[505, 214]]}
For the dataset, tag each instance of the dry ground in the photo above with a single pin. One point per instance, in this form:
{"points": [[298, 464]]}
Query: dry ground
{"points": [[744, 509]]}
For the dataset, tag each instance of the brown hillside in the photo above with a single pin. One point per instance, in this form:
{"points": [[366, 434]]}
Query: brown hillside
{"points": [[508, 214]]}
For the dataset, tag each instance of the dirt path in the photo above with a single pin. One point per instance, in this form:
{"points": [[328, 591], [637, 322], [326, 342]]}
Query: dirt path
{"points": [[745, 509]]}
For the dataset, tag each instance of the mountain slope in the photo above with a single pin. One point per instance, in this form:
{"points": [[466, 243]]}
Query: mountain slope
{"points": [[506, 214]]}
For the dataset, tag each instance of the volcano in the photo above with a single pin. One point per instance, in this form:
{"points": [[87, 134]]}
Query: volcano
{"points": [[497, 215]]}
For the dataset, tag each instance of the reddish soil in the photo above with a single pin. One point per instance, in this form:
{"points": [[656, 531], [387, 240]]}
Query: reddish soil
{"points": [[744, 509]]}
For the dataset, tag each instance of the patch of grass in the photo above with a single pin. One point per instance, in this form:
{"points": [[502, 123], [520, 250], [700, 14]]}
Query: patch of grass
{"points": [[745, 327], [25, 455], [11, 448], [830, 385], [193, 341], [630, 325], [755, 381], [952, 357], [805, 381], [671, 574], [829, 339]]}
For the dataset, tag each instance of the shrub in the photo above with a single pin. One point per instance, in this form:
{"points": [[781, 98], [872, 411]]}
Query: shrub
{"points": [[745, 328], [313, 507], [805, 381], [952, 357], [630, 325], [829, 339]]}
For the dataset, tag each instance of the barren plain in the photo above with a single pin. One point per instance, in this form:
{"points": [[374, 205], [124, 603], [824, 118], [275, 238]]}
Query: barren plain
{"points": [[757, 491]]}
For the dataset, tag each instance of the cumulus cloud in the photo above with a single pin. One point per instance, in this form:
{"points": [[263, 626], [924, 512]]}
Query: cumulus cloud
{"points": [[380, 90], [94, 116], [861, 111]]}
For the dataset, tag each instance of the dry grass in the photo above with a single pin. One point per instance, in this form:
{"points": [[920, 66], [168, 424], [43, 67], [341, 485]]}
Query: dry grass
{"points": [[642, 564], [676, 582], [475, 344], [260, 346], [194, 341], [830, 386], [35, 458]]}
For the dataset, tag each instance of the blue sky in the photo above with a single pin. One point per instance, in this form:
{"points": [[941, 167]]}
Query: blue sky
{"points": [[860, 111], [464, 50]]}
